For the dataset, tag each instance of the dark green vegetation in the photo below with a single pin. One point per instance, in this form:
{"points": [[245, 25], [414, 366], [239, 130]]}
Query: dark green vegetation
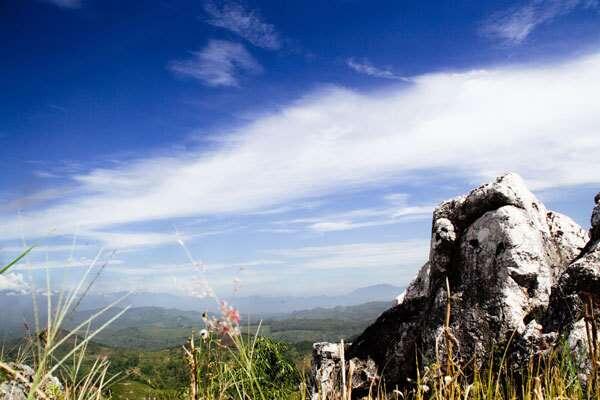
{"points": [[249, 367], [164, 373]]}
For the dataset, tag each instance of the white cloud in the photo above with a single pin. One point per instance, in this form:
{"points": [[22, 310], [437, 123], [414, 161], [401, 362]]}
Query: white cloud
{"points": [[94, 240], [398, 212], [408, 253], [366, 68], [130, 240], [333, 226], [83, 262], [13, 282], [515, 24], [219, 64], [58, 248], [248, 24], [538, 120]]}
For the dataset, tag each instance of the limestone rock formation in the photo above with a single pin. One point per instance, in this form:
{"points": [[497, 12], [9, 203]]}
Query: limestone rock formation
{"points": [[510, 265]]}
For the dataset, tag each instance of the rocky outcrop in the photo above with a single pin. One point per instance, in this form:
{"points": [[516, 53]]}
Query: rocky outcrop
{"points": [[517, 274]]}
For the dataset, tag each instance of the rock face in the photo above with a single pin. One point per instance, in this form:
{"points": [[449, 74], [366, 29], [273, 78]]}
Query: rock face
{"points": [[578, 285], [517, 273]]}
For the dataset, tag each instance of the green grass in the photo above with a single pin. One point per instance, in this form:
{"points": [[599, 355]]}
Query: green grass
{"points": [[131, 389]]}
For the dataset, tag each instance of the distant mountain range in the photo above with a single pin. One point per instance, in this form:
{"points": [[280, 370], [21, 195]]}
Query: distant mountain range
{"points": [[158, 328], [184, 311], [263, 306]]}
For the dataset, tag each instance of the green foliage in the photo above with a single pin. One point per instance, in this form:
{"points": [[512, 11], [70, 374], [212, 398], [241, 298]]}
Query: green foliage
{"points": [[15, 261], [273, 370], [241, 367]]}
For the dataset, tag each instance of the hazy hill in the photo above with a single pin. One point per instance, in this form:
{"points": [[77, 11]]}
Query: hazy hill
{"points": [[156, 328], [184, 311], [253, 305], [360, 312]]}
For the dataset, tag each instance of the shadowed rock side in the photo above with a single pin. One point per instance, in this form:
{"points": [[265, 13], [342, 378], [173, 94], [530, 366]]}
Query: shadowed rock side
{"points": [[515, 270], [578, 285]]}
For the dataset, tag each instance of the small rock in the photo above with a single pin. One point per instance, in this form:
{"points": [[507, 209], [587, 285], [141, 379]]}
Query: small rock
{"points": [[16, 389]]}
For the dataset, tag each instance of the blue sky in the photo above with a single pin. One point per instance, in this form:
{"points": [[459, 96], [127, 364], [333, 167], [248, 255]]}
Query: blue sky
{"points": [[292, 147]]}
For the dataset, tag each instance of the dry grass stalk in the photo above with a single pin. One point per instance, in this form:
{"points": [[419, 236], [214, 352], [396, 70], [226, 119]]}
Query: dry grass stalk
{"points": [[591, 331], [190, 355], [343, 364], [447, 334], [350, 376]]}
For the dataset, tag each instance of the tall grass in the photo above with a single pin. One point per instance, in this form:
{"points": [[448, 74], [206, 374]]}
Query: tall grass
{"points": [[240, 366], [53, 352]]}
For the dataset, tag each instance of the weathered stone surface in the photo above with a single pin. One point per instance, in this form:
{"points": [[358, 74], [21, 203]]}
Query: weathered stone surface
{"points": [[326, 378], [18, 389], [510, 265], [578, 285], [325, 374]]}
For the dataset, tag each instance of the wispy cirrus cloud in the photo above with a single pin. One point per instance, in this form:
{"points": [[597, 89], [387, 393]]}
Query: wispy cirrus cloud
{"points": [[397, 211], [220, 63], [65, 3], [244, 22], [408, 253], [515, 24], [471, 124], [366, 68], [31, 199], [58, 264], [346, 225]]}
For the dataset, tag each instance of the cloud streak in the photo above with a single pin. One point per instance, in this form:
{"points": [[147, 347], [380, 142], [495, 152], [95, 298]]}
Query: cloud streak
{"points": [[366, 68], [220, 63], [246, 23], [540, 121], [397, 212], [56, 264], [65, 3], [515, 24], [408, 253]]}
